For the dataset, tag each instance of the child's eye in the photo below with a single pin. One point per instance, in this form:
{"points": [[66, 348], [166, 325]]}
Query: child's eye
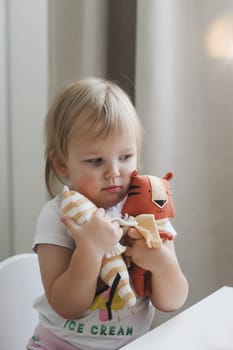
{"points": [[95, 161], [126, 157]]}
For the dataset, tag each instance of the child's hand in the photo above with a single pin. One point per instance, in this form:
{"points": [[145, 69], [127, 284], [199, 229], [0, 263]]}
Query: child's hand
{"points": [[98, 233], [141, 255]]}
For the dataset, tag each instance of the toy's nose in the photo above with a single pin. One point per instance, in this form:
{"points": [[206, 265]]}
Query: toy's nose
{"points": [[160, 202]]}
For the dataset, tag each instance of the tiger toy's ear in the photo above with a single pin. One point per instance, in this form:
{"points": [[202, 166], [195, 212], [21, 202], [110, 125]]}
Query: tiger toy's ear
{"points": [[134, 173], [168, 176]]}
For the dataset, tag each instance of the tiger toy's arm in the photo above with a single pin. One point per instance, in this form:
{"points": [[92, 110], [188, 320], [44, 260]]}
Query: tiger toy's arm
{"points": [[80, 209]]}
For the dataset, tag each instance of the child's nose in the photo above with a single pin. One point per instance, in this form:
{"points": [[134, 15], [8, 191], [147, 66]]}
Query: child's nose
{"points": [[112, 171]]}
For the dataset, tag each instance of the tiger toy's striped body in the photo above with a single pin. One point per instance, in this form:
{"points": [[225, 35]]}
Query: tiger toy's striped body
{"points": [[80, 209]]}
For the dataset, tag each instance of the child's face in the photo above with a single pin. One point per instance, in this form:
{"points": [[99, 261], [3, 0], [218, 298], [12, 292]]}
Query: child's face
{"points": [[102, 170]]}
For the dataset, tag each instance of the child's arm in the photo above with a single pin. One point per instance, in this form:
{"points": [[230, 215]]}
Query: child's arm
{"points": [[169, 285], [70, 277]]}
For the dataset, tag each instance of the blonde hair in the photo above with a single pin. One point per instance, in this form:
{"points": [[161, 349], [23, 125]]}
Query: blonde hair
{"points": [[92, 107]]}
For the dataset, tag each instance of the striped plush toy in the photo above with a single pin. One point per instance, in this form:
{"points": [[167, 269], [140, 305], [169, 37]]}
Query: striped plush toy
{"points": [[80, 209]]}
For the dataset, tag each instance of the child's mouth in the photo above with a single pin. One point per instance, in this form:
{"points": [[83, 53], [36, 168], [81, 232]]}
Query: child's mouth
{"points": [[112, 189]]}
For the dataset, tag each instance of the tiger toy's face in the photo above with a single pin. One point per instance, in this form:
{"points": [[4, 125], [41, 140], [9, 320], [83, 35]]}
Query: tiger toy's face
{"points": [[150, 195]]}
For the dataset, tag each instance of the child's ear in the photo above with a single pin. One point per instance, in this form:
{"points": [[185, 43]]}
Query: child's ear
{"points": [[59, 164]]}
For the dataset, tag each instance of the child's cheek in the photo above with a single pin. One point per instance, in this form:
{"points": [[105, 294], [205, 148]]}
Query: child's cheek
{"points": [[87, 183]]}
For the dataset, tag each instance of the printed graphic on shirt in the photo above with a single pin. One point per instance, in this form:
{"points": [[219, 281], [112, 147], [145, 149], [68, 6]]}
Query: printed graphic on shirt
{"points": [[109, 306], [99, 329], [106, 304]]}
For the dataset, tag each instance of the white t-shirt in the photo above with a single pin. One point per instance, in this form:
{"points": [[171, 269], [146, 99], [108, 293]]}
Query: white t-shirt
{"points": [[94, 329]]}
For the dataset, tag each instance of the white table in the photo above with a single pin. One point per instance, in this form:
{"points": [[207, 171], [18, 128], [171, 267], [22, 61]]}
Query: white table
{"points": [[206, 325]]}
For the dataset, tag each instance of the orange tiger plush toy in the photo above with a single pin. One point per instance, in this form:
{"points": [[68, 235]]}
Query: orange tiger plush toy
{"points": [[152, 197]]}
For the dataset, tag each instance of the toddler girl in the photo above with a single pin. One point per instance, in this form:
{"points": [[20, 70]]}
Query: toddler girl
{"points": [[93, 143]]}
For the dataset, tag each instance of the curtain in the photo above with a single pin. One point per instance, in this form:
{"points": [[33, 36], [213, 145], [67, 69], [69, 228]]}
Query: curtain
{"points": [[23, 104], [184, 86], [92, 38], [174, 58]]}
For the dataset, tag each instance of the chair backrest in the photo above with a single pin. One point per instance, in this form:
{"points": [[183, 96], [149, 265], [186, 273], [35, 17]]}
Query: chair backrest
{"points": [[20, 284]]}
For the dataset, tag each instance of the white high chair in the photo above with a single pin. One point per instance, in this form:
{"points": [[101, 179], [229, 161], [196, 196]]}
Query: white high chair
{"points": [[20, 284]]}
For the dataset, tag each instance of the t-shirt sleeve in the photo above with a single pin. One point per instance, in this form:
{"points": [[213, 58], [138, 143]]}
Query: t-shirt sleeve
{"points": [[50, 229]]}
